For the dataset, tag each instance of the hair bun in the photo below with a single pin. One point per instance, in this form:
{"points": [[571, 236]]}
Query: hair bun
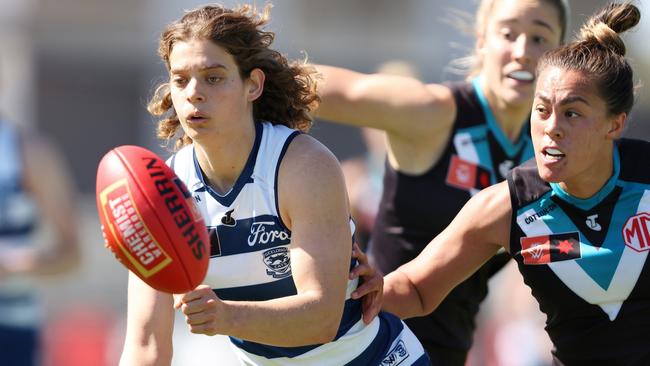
{"points": [[611, 21], [604, 35]]}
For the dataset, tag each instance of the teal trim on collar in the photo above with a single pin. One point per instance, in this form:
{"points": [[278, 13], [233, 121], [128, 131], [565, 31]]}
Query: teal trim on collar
{"points": [[507, 145], [588, 203]]}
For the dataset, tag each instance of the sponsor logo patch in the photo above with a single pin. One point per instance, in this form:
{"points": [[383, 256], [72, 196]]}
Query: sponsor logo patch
{"points": [[592, 223], [545, 249], [542, 212], [267, 232], [227, 218], [396, 356], [129, 230], [467, 175], [636, 233]]}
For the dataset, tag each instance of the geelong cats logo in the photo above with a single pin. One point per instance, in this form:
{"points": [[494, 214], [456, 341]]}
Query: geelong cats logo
{"points": [[277, 262]]}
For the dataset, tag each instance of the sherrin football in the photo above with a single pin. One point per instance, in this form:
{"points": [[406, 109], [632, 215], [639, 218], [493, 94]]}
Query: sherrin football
{"points": [[150, 221]]}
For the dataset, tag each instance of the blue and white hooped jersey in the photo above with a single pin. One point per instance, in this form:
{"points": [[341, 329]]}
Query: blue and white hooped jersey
{"points": [[18, 220], [250, 260], [586, 259]]}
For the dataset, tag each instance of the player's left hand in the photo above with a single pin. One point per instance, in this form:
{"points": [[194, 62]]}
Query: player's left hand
{"points": [[201, 309], [371, 285]]}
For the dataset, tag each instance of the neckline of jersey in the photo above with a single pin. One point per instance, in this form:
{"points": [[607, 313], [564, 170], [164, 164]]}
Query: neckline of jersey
{"points": [[508, 147], [588, 203], [244, 177]]}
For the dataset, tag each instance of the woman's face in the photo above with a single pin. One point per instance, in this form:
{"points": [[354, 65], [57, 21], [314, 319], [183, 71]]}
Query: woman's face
{"points": [[516, 35], [572, 131], [208, 94]]}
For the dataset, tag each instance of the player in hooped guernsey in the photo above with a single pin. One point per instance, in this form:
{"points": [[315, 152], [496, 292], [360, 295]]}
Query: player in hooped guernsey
{"points": [[20, 312], [250, 260], [34, 192]]}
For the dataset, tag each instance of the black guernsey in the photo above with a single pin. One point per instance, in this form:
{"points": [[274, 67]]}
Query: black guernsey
{"points": [[585, 260], [414, 209]]}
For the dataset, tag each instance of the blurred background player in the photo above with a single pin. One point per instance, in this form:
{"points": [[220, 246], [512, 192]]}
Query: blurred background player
{"points": [[447, 142], [38, 236]]}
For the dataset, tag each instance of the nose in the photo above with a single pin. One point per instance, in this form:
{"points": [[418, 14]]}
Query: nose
{"points": [[552, 128], [520, 49], [193, 91]]}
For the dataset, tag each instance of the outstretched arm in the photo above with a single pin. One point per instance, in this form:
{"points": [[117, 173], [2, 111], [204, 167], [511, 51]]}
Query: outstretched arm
{"points": [[478, 231], [417, 117]]}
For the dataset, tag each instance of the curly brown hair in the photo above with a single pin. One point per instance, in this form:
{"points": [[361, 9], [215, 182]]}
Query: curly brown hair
{"points": [[289, 88], [600, 53]]}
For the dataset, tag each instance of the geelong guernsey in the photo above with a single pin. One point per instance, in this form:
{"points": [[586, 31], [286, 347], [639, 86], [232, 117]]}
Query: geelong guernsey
{"points": [[586, 259], [18, 220], [250, 260]]}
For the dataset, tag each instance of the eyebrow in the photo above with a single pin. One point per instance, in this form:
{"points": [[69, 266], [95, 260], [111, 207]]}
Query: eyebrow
{"points": [[538, 22], [568, 100], [207, 68], [544, 25]]}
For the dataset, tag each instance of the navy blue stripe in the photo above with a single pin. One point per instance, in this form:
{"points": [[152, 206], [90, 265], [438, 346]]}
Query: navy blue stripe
{"points": [[271, 352], [389, 328], [277, 170], [261, 292], [351, 315], [23, 299], [353, 263], [245, 177], [17, 231]]}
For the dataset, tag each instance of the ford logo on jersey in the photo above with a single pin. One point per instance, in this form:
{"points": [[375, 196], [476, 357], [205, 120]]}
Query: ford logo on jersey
{"points": [[266, 232]]}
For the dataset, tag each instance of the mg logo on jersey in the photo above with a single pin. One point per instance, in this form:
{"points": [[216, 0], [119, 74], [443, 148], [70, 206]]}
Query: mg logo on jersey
{"points": [[592, 224], [636, 233], [395, 357]]}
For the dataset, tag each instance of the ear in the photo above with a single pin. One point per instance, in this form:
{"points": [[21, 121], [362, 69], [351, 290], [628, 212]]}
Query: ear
{"points": [[255, 84], [616, 126], [480, 43]]}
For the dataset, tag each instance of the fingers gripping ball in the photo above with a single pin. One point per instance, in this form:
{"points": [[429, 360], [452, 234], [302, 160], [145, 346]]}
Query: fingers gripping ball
{"points": [[150, 221]]}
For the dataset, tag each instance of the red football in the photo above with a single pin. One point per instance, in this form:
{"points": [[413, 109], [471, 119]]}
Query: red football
{"points": [[150, 221]]}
